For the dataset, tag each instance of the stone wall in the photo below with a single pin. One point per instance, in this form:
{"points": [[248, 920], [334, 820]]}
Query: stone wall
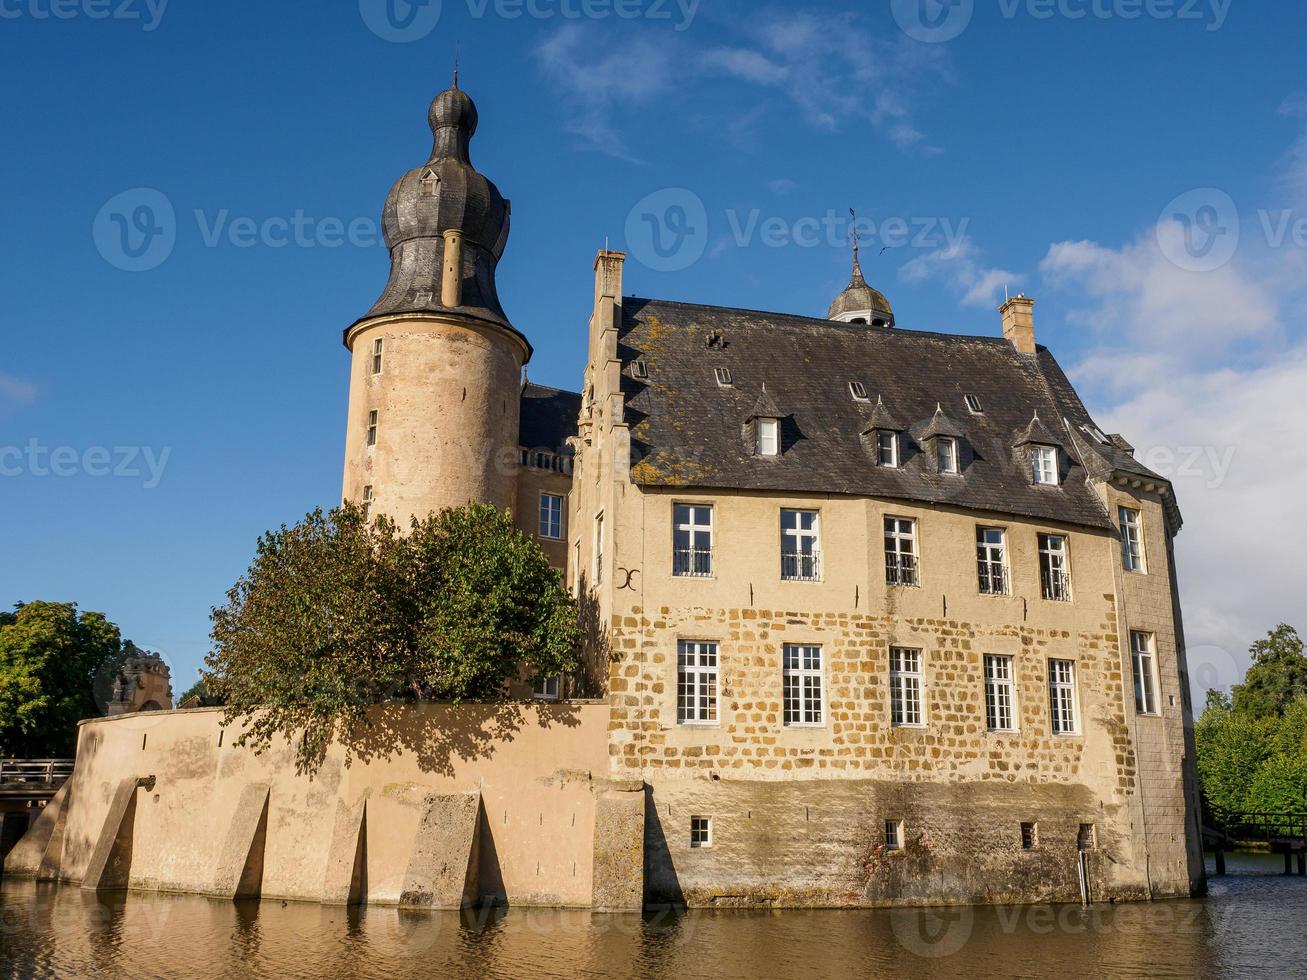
{"points": [[494, 803]]}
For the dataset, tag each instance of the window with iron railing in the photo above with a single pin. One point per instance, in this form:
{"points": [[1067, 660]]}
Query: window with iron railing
{"points": [[692, 541], [1054, 568], [900, 551], [991, 560], [800, 545]]}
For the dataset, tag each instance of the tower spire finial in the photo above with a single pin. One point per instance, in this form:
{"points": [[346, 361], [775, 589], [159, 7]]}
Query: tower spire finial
{"points": [[857, 266]]}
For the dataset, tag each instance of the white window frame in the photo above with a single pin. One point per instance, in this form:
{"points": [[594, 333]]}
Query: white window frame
{"points": [[1063, 703], [548, 688], [906, 684], [947, 456], [367, 502], [893, 835], [1054, 567], [697, 682], [697, 522], [700, 831], [887, 444], [801, 546], [551, 521], [378, 347], [973, 404], [901, 565], [1044, 465], [991, 561], [1000, 693], [1134, 558], [803, 689], [1143, 664], [599, 548], [724, 378], [859, 391], [374, 419], [768, 442]]}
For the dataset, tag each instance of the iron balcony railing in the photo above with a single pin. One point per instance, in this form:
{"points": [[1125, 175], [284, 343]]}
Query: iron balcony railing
{"points": [[993, 577], [900, 569], [800, 566], [1057, 584], [692, 562]]}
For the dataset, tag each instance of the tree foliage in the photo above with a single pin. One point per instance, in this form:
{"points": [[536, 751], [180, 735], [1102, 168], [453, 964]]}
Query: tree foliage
{"points": [[338, 614], [1252, 745], [50, 658]]}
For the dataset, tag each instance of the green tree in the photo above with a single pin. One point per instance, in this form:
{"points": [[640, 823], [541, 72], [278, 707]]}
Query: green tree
{"points": [[1278, 675], [50, 656], [1231, 749], [339, 614]]}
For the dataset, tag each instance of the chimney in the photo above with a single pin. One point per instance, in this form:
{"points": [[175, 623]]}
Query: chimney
{"points": [[1019, 323], [451, 280]]}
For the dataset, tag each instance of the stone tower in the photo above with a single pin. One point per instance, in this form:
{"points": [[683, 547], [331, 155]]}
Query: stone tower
{"points": [[436, 366]]}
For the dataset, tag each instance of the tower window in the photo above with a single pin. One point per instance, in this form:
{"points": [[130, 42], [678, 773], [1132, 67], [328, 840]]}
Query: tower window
{"points": [[1029, 836], [372, 428], [974, 406], [367, 503], [701, 831], [858, 390], [893, 835], [723, 376], [1144, 660], [1132, 540], [377, 346]]}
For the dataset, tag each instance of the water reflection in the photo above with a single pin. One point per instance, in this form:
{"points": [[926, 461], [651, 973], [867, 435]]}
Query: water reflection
{"points": [[1250, 925]]}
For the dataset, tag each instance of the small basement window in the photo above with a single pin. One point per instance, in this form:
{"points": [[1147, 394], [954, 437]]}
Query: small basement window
{"points": [[1087, 838], [893, 835], [1029, 836], [639, 370], [974, 406], [858, 390], [723, 375], [701, 831]]}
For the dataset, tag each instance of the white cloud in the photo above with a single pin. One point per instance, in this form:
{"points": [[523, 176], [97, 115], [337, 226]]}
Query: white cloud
{"points": [[751, 66], [17, 391], [958, 265], [1136, 291], [782, 186]]}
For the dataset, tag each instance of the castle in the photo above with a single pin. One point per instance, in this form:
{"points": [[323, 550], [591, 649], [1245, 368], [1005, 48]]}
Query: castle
{"points": [[874, 617], [856, 586]]}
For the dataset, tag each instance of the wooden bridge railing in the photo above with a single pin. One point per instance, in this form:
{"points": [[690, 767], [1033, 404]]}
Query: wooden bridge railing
{"points": [[35, 773], [1285, 833]]}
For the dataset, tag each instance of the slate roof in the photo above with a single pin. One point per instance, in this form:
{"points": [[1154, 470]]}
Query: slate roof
{"points": [[686, 431], [548, 418]]}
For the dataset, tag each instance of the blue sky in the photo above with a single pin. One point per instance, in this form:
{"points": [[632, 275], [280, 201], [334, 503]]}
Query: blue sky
{"points": [[1139, 167]]}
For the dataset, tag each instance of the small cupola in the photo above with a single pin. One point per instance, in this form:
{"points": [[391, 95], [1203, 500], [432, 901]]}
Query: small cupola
{"points": [[762, 428], [860, 303], [883, 431]]}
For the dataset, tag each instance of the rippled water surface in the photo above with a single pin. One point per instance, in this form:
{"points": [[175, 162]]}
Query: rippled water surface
{"points": [[1254, 923]]}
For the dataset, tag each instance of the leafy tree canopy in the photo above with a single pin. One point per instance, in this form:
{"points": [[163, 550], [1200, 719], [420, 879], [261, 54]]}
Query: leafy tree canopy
{"points": [[1277, 677], [50, 657], [338, 614]]}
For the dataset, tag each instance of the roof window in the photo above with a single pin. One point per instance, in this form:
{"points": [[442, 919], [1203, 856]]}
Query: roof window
{"points": [[724, 379], [639, 370], [974, 406], [858, 390]]}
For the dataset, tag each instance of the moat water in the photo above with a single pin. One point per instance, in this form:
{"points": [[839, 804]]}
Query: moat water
{"points": [[1253, 924]]}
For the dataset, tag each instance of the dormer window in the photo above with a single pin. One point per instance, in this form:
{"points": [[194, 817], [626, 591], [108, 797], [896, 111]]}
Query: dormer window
{"points": [[858, 390], [946, 451], [769, 437], [887, 448], [1043, 462], [639, 370], [723, 376]]}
